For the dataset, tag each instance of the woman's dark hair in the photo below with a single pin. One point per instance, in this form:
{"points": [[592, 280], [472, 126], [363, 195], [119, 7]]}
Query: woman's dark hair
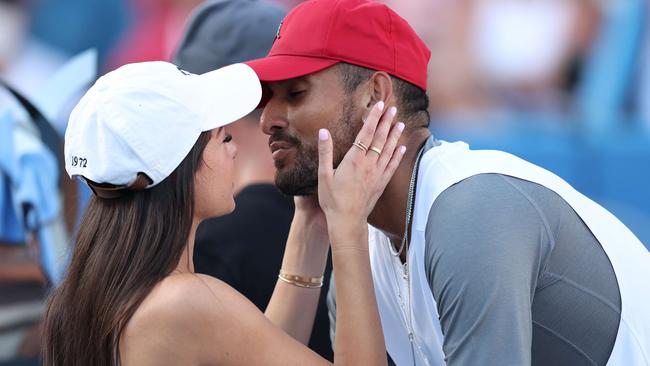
{"points": [[124, 247]]}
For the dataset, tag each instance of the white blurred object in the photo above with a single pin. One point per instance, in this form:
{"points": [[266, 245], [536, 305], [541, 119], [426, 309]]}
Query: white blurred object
{"points": [[34, 63], [67, 82], [25, 62], [516, 41], [12, 36]]}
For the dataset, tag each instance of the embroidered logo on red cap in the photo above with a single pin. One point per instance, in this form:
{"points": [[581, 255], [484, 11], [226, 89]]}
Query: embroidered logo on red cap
{"points": [[277, 34]]}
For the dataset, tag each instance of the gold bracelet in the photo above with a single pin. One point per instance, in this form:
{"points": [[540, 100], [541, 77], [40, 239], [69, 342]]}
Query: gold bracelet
{"points": [[304, 282]]}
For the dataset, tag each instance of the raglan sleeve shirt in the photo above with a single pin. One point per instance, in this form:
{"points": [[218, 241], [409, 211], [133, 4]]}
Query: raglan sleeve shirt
{"points": [[485, 244]]}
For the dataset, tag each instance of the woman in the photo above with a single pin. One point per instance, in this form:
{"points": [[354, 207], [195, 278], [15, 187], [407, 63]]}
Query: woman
{"points": [[149, 140]]}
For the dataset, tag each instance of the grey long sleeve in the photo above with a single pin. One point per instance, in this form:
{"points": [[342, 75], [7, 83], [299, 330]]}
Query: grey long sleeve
{"points": [[485, 243], [519, 279]]}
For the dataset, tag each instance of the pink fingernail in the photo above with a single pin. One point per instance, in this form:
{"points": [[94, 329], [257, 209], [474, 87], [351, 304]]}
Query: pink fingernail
{"points": [[322, 134], [402, 149], [400, 126], [380, 105], [392, 111]]}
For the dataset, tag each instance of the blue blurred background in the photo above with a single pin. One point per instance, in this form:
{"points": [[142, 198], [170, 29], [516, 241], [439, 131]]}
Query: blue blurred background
{"points": [[564, 84]]}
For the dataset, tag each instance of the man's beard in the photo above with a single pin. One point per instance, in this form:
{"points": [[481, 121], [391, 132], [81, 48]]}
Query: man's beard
{"points": [[301, 178]]}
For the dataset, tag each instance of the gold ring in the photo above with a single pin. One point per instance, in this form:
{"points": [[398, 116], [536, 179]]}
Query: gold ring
{"points": [[375, 149], [361, 146]]}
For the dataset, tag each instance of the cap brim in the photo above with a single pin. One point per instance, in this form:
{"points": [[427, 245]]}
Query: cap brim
{"points": [[232, 91], [284, 67]]}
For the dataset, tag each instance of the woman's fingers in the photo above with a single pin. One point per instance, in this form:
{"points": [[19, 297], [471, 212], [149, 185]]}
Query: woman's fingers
{"points": [[325, 164], [367, 132], [391, 144], [381, 133], [353, 188]]}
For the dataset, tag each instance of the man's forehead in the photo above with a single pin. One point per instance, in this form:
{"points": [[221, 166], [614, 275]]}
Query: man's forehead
{"points": [[314, 78]]}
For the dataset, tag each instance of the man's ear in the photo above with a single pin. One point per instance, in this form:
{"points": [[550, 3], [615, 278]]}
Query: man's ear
{"points": [[380, 88]]}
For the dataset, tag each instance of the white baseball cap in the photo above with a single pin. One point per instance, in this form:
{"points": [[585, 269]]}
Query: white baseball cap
{"points": [[144, 118]]}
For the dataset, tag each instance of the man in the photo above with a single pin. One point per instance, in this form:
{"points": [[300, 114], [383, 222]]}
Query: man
{"points": [[478, 257], [245, 248]]}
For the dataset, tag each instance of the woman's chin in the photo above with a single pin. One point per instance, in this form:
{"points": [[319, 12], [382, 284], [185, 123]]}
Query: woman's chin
{"points": [[227, 209], [222, 210], [232, 207]]}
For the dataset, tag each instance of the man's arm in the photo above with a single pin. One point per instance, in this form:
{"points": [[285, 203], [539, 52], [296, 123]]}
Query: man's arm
{"points": [[485, 242]]}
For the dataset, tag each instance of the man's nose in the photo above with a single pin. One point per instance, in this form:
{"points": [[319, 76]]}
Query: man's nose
{"points": [[273, 118]]}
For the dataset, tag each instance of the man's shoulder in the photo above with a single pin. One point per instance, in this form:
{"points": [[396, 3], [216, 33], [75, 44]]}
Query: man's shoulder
{"points": [[491, 193], [477, 192], [488, 214]]}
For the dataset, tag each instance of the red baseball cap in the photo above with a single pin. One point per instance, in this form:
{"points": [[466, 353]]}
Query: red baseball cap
{"points": [[320, 33]]}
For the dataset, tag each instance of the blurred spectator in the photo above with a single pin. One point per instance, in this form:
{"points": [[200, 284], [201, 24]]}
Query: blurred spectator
{"points": [[245, 248], [491, 57], [25, 63], [528, 50]]}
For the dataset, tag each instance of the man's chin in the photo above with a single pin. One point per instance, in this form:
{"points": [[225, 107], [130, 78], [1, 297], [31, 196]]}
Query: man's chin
{"points": [[293, 190], [291, 186]]}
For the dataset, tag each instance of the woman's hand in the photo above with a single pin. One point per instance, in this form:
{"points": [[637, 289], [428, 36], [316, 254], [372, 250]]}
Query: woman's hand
{"points": [[348, 194]]}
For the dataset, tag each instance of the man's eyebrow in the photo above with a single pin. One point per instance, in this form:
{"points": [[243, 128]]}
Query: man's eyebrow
{"points": [[303, 79], [289, 82]]}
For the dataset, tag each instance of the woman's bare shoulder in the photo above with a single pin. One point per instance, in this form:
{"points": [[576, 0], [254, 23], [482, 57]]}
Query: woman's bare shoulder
{"points": [[196, 319], [185, 297], [180, 310]]}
